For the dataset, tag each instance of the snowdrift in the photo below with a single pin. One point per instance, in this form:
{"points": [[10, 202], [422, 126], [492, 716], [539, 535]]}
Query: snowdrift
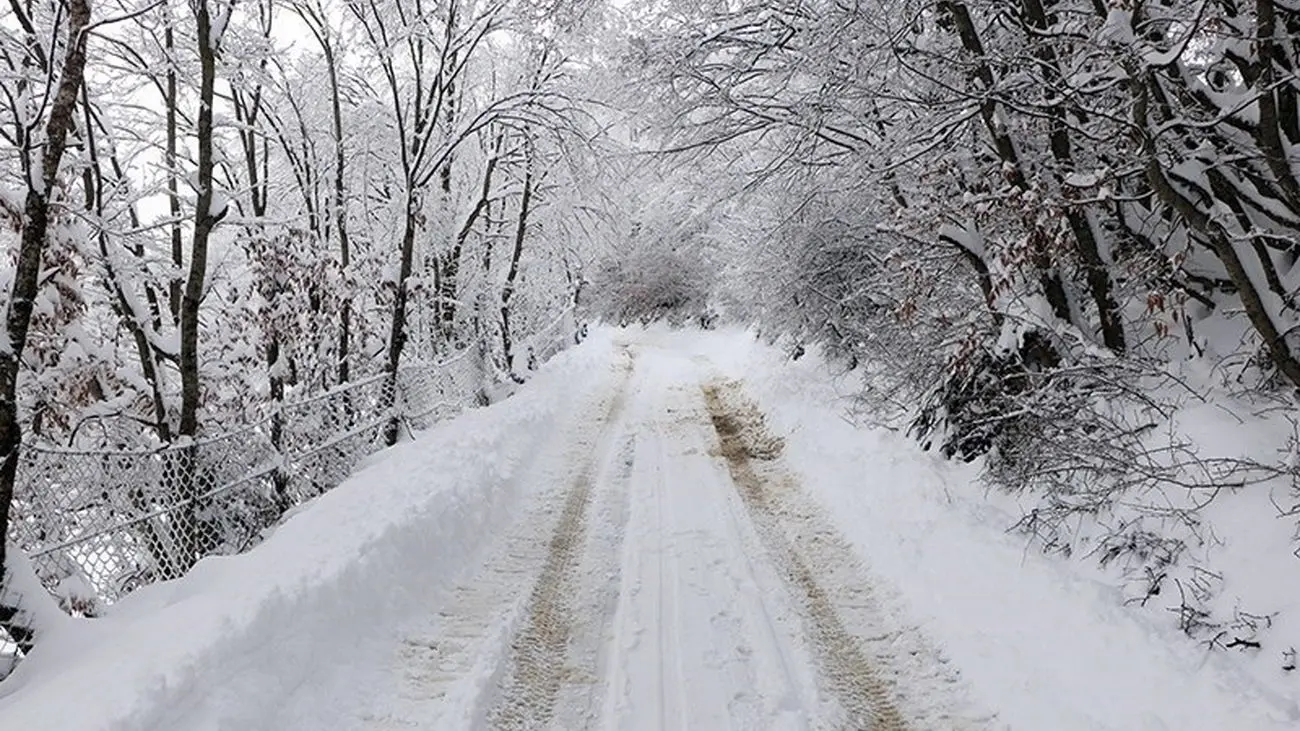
{"points": [[238, 634]]}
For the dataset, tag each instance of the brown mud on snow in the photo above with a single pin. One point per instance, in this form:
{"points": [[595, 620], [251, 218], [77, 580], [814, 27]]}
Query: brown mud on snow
{"points": [[849, 672]]}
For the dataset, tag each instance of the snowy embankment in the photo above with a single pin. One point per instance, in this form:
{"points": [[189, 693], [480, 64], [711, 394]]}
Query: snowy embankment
{"points": [[1046, 641], [243, 632]]}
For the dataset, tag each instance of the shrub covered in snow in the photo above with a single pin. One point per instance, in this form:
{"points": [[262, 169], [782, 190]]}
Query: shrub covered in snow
{"points": [[649, 283]]}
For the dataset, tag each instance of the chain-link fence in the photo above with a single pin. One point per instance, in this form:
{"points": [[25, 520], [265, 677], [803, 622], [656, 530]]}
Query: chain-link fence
{"points": [[98, 524]]}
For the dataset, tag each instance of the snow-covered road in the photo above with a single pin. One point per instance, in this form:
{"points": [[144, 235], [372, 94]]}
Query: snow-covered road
{"points": [[673, 578], [663, 531]]}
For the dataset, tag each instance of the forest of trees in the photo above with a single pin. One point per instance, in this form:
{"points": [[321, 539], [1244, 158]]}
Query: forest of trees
{"points": [[1039, 227], [209, 208], [1029, 216]]}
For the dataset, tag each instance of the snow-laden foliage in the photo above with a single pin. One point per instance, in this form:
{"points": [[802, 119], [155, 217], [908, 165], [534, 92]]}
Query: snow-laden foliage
{"points": [[1043, 231], [659, 266], [646, 284], [263, 201]]}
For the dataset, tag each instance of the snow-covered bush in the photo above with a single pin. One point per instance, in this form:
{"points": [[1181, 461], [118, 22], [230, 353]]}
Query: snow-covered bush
{"points": [[650, 283]]}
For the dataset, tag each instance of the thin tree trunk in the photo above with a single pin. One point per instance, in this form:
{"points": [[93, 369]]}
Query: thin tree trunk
{"points": [[152, 538], [447, 266], [480, 211], [150, 295], [247, 112], [172, 103], [204, 221], [94, 186], [1096, 271], [482, 322], [397, 328], [186, 469], [1049, 279], [340, 214], [512, 276], [1219, 240]]}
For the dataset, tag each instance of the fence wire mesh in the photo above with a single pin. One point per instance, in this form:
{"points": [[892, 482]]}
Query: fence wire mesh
{"points": [[98, 524]]}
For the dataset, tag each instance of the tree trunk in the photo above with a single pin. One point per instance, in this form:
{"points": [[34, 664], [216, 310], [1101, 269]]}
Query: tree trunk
{"points": [[1220, 242], [451, 271], [397, 329], [340, 213], [94, 185], [1096, 271], [204, 220], [508, 291], [170, 162], [1049, 279], [26, 283], [447, 266], [186, 479]]}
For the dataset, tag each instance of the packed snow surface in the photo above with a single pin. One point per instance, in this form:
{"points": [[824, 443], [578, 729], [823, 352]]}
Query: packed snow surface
{"points": [[662, 530]]}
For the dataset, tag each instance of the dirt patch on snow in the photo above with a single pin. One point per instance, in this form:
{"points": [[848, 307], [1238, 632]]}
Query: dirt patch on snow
{"points": [[741, 426], [867, 699]]}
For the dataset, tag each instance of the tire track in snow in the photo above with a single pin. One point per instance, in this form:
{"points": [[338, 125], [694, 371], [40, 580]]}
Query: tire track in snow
{"points": [[447, 666], [885, 679], [694, 640], [865, 698], [597, 594], [537, 667]]}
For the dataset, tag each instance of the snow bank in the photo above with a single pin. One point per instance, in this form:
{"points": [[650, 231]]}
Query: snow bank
{"points": [[1046, 641], [237, 635]]}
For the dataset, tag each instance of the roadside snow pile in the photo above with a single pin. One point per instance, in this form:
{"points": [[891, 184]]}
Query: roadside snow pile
{"points": [[1046, 640], [236, 635]]}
